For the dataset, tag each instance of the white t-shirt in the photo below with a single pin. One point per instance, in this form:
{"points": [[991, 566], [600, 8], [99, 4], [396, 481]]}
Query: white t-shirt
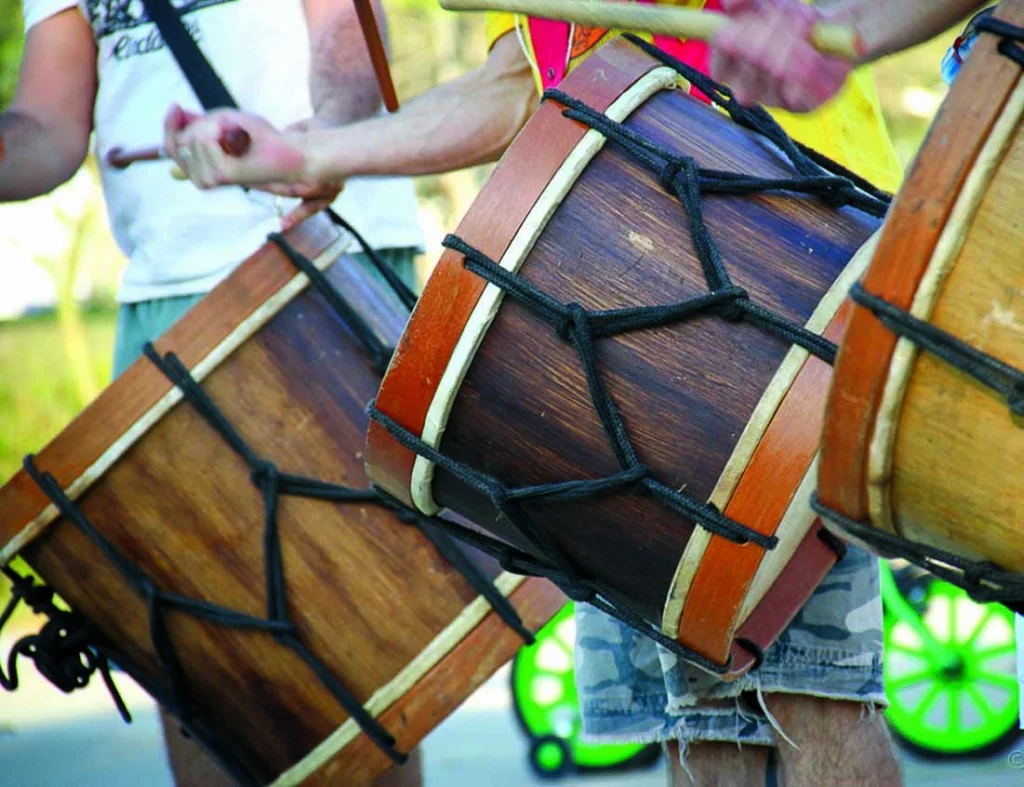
{"points": [[179, 240]]}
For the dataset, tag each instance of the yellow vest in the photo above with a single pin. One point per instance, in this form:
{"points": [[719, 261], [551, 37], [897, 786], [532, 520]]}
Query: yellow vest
{"points": [[849, 129]]}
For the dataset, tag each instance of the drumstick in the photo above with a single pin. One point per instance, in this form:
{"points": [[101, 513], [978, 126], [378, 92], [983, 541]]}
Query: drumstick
{"points": [[234, 141], [119, 158], [837, 40], [378, 57]]}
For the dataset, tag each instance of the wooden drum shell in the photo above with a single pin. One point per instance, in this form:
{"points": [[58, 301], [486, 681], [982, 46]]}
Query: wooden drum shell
{"points": [[371, 597], [913, 445], [693, 396]]}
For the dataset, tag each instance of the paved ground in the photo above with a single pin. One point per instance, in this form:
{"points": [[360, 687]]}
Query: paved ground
{"points": [[48, 739]]}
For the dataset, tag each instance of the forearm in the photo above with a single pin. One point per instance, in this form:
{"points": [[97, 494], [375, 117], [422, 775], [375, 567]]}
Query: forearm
{"points": [[342, 83], [460, 124], [889, 26], [36, 159]]}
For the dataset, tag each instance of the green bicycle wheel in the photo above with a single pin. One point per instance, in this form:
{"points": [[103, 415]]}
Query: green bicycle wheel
{"points": [[546, 703], [950, 669]]}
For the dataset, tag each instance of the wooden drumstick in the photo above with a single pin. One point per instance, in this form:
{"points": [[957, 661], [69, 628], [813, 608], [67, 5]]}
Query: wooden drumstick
{"points": [[838, 40], [378, 57], [234, 141], [119, 158]]}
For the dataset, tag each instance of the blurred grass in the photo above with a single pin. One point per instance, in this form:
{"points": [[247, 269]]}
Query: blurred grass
{"points": [[38, 396]]}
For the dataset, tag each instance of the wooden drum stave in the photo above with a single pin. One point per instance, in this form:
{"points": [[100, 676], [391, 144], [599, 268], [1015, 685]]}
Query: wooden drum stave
{"points": [[721, 409], [920, 458], [372, 600]]}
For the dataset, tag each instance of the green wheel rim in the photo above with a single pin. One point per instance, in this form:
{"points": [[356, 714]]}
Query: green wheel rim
{"points": [[544, 686], [950, 674]]}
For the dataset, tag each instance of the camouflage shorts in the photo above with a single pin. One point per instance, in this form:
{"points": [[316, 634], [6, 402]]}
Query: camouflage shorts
{"points": [[632, 690]]}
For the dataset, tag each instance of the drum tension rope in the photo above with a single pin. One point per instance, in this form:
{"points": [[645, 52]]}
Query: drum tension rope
{"points": [[65, 651], [66, 641], [680, 175], [983, 581]]}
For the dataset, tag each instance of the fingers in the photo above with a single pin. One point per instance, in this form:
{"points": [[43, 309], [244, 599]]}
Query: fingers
{"points": [[304, 211], [766, 57]]}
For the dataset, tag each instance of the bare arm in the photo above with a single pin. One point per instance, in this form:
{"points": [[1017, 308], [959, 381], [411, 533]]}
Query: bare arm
{"points": [[889, 26], [342, 84], [45, 131], [766, 56], [468, 121]]}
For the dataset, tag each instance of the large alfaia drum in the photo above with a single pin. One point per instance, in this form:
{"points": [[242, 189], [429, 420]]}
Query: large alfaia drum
{"points": [[924, 438], [226, 552], [618, 370]]}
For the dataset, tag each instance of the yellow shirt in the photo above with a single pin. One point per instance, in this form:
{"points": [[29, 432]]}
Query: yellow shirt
{"points": [[849, 129]]}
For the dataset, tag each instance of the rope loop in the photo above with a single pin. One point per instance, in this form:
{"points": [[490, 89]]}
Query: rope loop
{"points": [[264, 474]]}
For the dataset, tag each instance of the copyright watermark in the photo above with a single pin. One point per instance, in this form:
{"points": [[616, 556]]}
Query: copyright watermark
{"points": [[1016, 759]]}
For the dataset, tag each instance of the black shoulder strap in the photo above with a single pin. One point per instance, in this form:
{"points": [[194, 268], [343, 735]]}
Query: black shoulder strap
{"points": [[208, 87]]}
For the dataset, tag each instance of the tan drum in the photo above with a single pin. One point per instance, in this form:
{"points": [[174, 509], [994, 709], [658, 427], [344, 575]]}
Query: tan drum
{"points": [[923, 444], [209, 522]]}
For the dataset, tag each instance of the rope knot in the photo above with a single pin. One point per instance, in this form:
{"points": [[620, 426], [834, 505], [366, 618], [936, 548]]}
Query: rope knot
{"points": [[262, 473], [637, 472], [498, 494], [1015, 398], [571, 318], [669, 172], [734, 309]]}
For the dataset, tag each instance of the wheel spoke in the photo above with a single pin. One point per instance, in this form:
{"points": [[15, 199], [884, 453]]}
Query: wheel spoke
{"points": [[995, 679], [951, 617], [981, 703], [927, 701], [895, 684], [995, 650], [953, 726], [979, 627]]}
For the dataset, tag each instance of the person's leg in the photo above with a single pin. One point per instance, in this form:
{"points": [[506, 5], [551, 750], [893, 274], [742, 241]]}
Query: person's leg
{"points": [[138, 323], [190, 765], [719, 765], [818, 688], [193, 767], [401, 260]]}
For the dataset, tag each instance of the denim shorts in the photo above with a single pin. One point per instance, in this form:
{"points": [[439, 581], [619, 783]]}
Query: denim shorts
{"points": [[632, 690]]}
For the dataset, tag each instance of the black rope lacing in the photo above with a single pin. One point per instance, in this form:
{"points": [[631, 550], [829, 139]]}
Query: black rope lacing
{"points": [[68, 651], [1002, 378], [1012, 37], [984, 582], [680, 175], [380, 353], [64, 651]]}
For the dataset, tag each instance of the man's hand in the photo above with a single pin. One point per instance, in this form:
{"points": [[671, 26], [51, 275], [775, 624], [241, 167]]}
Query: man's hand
{"points": [[194, 142], [274, 163], [765, 55], [315, 195]]}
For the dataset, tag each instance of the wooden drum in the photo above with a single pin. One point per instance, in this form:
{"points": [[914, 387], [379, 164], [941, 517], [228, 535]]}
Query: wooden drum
{"points": [[656, 462], [924, 436], [272, 611]]}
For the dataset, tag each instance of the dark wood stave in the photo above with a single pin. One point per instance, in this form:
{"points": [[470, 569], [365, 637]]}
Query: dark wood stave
{"points": [[685, 392], [366, 592]]}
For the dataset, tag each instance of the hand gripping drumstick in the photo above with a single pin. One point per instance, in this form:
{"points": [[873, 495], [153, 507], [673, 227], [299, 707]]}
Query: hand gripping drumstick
{"points": [[233, 141], [837, 40]]}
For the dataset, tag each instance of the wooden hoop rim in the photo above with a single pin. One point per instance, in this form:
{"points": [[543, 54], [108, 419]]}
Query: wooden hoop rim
{"points": [[494, 218], [123, 412], [907, 245]]}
